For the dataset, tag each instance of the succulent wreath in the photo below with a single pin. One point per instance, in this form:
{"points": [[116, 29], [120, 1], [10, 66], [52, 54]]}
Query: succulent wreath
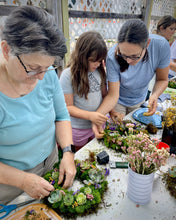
{"points": [[84, 200]]}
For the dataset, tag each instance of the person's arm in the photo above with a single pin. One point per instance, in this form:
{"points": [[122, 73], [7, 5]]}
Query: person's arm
{"points": [[95, 117], [67, 167], [173, 65], [35, 186], [107, 105], [161, 84], [110, 99]]}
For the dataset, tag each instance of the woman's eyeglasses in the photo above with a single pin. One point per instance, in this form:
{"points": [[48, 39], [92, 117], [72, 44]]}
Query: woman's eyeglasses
{"points": [[32, 73], [129, 57]]}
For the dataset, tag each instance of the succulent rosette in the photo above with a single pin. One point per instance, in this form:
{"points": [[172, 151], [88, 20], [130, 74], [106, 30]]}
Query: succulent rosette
{"points": [[81, 198], [55, 196]]}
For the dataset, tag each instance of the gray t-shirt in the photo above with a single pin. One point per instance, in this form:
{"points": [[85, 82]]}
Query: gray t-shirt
{"points": [[94, 96]]}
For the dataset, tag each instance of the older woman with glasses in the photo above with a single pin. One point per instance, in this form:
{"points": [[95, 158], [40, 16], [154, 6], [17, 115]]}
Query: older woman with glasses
{"points": [[33, 113], [130, 66]]}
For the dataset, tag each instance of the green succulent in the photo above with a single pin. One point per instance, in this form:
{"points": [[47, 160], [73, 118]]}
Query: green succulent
{"points": [[85, 165], [87, 190], [55, 196], [81, 198], [96, 176], [172, 172], [55, 175], [68, 199]]}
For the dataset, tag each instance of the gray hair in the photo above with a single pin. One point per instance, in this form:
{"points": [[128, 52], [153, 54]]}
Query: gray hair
{"points": [[30, 29]]}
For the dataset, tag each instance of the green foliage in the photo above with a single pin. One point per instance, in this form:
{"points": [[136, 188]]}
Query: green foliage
{"points": [[97, 196], [80, 209]]}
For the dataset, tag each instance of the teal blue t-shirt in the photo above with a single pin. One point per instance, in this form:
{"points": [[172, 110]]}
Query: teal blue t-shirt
{"points": [[27, 124], [135, 80]]}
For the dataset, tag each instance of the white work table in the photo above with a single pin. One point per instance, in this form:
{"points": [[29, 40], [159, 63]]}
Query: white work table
{"points": [[116, 205]]}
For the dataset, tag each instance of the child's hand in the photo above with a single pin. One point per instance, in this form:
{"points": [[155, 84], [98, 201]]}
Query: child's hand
{"points": [[98, 131], [116, 116], [97, 118]]}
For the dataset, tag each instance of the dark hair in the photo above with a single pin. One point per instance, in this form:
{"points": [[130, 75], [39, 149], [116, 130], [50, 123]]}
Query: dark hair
{"points": [[30, 29], [90, 46], [165, 21], [133, 31]]}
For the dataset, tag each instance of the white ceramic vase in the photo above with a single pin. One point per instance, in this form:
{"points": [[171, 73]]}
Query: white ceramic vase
{"points": [[139, 187]]}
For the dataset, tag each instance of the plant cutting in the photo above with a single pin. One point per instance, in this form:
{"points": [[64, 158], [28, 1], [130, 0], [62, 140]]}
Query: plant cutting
{"points": [[145, 157]]}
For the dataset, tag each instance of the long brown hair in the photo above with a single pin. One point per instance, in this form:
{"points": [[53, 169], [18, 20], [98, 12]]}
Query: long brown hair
{"points": [[90, 44]]}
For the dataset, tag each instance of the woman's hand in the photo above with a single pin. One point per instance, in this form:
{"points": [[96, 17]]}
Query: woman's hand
{"points": [[116, 116], [36, 186], [152, 105], [67, 170], [97, 118]]}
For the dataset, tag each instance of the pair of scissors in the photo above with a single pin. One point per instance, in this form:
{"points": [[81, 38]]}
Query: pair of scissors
{"points": [[8, 208]]}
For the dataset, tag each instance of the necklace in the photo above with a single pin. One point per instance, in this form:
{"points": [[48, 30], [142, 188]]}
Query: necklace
{"points": [[12, 86]]}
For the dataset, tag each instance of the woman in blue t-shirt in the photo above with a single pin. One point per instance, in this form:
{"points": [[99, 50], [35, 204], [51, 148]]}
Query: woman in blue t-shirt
{"points": [[130, 66], [33, 113]]}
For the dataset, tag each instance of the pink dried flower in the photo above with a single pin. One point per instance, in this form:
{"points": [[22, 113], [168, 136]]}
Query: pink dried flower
{"points": [[143, 155]]}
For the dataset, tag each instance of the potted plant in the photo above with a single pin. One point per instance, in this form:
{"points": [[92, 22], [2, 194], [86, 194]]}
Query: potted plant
{"points": [[169, 126], [145, 156]]}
